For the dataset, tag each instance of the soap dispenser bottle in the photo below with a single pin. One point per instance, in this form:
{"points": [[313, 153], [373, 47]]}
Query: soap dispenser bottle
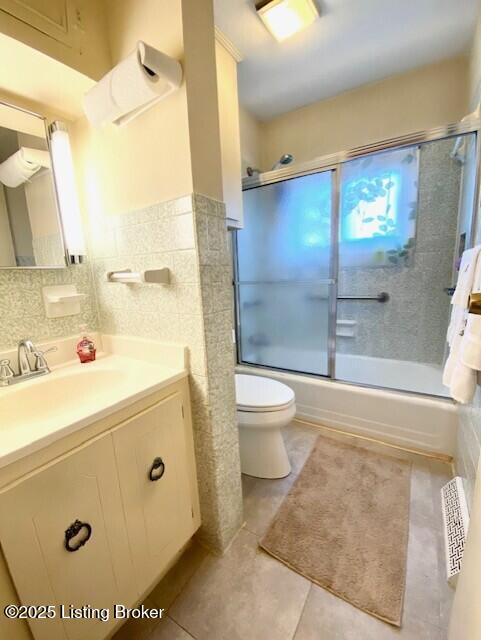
{"points": [[86, 347]]}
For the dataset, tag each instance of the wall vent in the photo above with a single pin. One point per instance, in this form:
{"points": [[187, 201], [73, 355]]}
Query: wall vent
{"points": [[456, 522]]}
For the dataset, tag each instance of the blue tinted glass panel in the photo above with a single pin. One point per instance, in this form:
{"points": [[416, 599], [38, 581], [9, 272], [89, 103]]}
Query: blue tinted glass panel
{"points": [[287, 230], [285, 326]]}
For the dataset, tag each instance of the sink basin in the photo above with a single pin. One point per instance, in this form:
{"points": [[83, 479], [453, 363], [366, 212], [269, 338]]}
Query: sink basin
{"points": [[39, 411], [38, 399]]}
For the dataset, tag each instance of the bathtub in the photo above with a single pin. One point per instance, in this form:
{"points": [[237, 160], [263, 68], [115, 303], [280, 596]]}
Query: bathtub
{"points": [[411, 421]]}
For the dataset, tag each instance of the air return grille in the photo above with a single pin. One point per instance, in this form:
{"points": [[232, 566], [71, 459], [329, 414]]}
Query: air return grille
{"points": [[456, 522]]}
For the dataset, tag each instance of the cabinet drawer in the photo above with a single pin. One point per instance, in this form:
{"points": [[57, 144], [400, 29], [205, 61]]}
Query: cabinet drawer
{"points": [[154, 467], [34, 518]]}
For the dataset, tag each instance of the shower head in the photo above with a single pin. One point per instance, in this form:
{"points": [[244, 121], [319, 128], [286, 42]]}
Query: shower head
{"points": [[285, 159]]}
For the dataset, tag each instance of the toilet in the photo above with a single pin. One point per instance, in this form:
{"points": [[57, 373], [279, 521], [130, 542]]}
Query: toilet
{"points": [[264, 407]]}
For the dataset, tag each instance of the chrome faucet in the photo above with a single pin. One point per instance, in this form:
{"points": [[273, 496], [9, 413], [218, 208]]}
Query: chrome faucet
{"points": [[25, 371], [24, 348]]}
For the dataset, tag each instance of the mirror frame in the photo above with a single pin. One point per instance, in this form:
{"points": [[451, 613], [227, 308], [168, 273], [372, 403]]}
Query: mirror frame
{"points": [[57, 206]]}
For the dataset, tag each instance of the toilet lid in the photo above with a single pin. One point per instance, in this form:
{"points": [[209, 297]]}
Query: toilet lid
{"points": [[256, 393]]}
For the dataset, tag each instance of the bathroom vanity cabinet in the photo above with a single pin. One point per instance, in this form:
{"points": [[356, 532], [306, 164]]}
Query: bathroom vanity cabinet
{"points": [[99, 524]]}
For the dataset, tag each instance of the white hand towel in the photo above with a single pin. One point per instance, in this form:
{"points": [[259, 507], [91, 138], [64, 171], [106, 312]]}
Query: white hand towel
{"points": [[459, 374], [456, 324], [454, 351], [471, 342], [463, 383], [465, 282], [459, 300]]}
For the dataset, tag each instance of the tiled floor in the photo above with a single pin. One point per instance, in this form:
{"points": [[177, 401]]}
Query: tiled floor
{"points": [[248, 595]]}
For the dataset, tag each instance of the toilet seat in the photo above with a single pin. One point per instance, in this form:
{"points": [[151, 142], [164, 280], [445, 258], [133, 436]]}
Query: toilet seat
{"points": [[257, 394]]}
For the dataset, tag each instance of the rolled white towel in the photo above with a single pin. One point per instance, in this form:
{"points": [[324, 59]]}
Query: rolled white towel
{"points": [[22, 165]]}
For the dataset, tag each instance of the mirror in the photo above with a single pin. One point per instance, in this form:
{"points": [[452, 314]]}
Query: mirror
{"points": [[30, 230]]}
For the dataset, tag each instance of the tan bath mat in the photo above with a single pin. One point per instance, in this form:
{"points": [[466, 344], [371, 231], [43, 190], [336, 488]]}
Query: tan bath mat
{"points": [[344, 525]]}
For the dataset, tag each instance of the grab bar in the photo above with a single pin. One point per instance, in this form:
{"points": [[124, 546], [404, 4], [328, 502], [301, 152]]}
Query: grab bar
{"points": [[381, 297]]}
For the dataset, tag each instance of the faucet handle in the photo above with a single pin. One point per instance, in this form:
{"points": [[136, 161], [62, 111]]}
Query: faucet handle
{"points": [[40, 361], [6, 373]]}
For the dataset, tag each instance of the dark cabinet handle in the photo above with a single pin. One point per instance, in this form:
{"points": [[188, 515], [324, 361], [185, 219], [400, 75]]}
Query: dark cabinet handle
{"points": [[73, 531], [156, 470]]}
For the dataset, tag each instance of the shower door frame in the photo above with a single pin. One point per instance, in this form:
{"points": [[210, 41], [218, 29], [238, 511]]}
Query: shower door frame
{"points": [[334, 163], [331, 281]]}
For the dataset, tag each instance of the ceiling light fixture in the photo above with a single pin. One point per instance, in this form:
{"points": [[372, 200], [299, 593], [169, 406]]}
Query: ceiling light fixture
{"points": [[284, 18]]}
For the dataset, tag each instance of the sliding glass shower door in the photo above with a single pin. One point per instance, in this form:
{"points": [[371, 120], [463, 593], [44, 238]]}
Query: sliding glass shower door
{"points": [[405, 219], [346, 272], [284, 274]]}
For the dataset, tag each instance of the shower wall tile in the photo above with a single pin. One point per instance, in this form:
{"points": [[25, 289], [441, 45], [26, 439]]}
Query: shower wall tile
{"points": [[22, 313], [412, 325], [189, 236]]}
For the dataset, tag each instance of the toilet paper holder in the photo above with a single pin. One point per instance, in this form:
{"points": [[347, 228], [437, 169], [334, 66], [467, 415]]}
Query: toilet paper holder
{"points": [[139, 81]]}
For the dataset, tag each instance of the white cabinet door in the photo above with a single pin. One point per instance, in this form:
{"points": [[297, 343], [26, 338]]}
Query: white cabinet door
{"points": [[154, 471], [52, 17], [35, 516]]}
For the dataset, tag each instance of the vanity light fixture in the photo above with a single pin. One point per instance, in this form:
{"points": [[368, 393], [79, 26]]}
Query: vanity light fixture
{"points": [[284, 18], [66, 191]]}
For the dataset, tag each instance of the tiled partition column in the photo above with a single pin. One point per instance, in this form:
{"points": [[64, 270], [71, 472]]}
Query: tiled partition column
{"points": [[187, 235], [469, 443]]}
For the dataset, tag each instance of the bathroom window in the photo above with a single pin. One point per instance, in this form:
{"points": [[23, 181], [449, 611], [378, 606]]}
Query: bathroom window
{"points": [[373, 206], [378, 208]]}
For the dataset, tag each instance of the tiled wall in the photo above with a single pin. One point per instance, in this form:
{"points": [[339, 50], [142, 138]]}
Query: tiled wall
{"points": [[469, 443], [189, 236], [412, 325], [22, 313]]}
